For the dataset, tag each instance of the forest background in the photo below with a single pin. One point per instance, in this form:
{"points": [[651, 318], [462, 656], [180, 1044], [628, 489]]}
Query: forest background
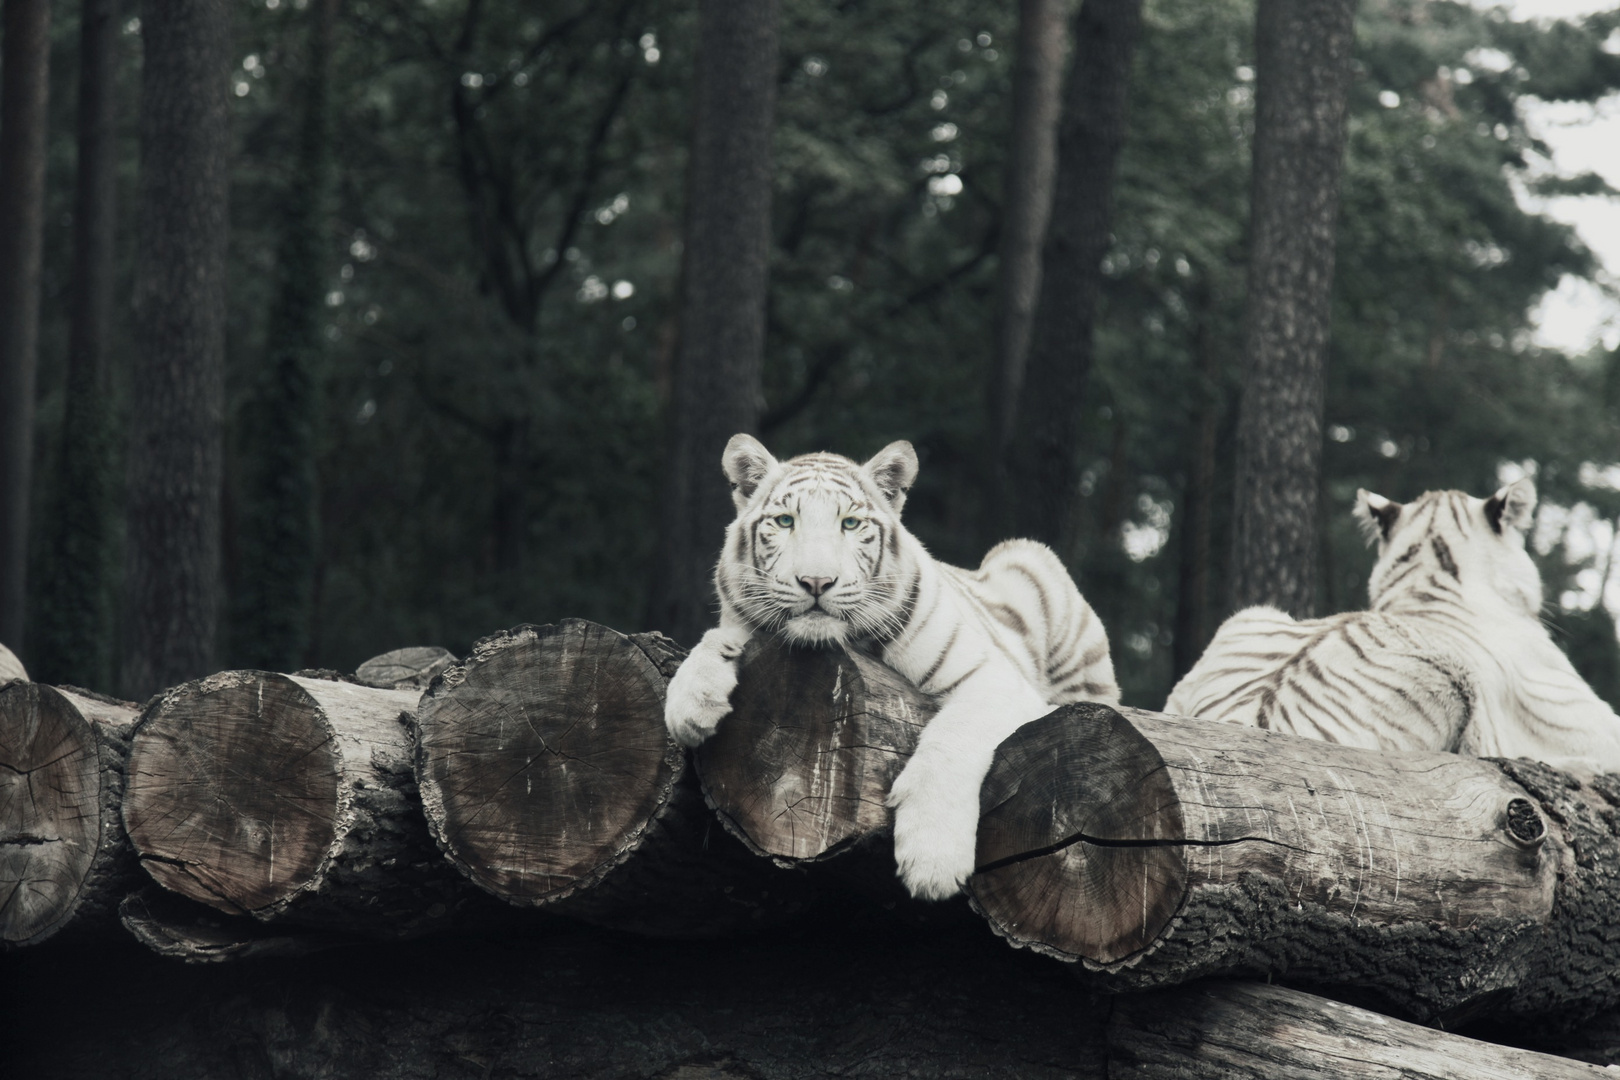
{"points": [[486, 230]]}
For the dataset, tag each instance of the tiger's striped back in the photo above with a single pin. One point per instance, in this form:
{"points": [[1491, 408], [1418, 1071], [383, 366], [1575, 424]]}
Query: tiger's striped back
{"points": [[1451, 654]]}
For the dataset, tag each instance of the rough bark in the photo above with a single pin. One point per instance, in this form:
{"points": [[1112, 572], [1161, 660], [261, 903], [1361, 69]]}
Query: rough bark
{"points": [[72, 627], [1302, 66], [278, 535], [1042, 460], [290, 799], [177, 384], [1245, 1031], [1026, 197], [718, 388], [24, 86], [410, 668], [1431, 883], [549, 779], [65, 863], [853, 1001]]}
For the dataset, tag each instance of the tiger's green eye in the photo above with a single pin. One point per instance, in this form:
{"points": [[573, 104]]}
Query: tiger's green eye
{"points": [[785, 520], [851, 524]]}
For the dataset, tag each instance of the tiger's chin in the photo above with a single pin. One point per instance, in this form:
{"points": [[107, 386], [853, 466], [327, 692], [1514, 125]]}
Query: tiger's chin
{"points": [[815, 628]]}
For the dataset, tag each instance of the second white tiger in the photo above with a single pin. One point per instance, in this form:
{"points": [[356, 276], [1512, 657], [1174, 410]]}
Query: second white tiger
{"points": [[1451, 656], [818, 554]]}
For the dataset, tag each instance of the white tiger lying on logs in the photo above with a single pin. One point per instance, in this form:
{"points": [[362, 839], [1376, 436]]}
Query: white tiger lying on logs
{"points": [[1451, 656], [818, 554]]}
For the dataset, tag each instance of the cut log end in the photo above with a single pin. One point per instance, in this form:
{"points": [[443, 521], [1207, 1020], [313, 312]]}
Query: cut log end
{"points": [[800, 769], [405, 669], [543, 757], [1080, 833]]}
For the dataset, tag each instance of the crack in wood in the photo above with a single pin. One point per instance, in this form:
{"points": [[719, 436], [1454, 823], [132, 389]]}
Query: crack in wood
{"points": [[1097, 841]]}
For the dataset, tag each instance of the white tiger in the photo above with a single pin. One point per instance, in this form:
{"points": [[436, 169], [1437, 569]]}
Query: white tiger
{"points": [[818, 554], [1452, 654]]}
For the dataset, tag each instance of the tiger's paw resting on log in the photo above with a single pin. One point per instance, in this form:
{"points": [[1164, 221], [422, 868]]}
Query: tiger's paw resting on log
{"points": [[818, 555]]}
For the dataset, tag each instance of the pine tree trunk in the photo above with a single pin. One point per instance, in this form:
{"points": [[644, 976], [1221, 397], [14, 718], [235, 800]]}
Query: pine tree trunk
{"points": [[65, 862], [72, 629], [549, 779], [1026, 197], [1043, 459], [177, 385], [274, 598], [725, 274], [1303, 52], [1197, 524], [24, 87]]}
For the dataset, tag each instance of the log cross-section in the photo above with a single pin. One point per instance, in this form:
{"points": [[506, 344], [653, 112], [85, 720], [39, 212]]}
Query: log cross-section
{"points": [[1154, 850], [65, 862], [800, 769], [290, 799]]}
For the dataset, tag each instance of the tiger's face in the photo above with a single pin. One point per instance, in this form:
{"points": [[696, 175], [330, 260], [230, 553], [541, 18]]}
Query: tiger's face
{"points": [[1451, 540], [816, 550]]}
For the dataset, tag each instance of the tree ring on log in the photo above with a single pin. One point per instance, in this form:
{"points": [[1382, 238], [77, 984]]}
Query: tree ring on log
{"points": [[543, 757], [50, 825], [1098, 869], [800, 769], [240, 847], [1525, 823]]}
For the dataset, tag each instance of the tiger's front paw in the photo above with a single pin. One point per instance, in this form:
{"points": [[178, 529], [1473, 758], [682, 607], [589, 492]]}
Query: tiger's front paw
{"points": [[936, 825], [699, 696]]}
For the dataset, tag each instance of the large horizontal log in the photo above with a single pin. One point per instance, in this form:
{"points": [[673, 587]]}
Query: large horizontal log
{"points": [[1152, 851], [65, 862], [290, 799], [1246, 1031], [549, 779]]}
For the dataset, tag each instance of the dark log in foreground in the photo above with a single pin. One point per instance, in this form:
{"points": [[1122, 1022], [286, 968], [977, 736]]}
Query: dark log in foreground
{"points": [[1156, 850], [549, 779], [1246, 1031], [800, 769], [182, 929], [65, 862], [404, 669], [290, 799]]}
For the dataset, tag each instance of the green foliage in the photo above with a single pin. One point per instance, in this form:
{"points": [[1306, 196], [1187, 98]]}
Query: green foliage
{"points": [[489, 441]]}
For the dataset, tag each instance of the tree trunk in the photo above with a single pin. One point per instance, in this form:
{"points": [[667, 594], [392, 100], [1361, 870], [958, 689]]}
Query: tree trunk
{"points": [[1197, 525], [725, 274], [274, 599], [1303, 51], [25, 53], [290, 799], [1026, 198], [177, 385], [1244, 1031], [549, 779], [1043, 463], [1431, 882], [65, 862], [72, 629]]}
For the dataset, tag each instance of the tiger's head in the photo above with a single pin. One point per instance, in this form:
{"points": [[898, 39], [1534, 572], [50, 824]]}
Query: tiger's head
{"points": [[1449, 540], [817, 549]]}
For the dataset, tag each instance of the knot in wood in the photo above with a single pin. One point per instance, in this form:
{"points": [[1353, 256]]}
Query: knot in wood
{"points": [[1524, 823]]}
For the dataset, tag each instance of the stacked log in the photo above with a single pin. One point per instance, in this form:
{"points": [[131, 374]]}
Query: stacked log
{"points": [[290, 799], [1246, 1031], [65, 863], [549, 779], [1151, 851]]}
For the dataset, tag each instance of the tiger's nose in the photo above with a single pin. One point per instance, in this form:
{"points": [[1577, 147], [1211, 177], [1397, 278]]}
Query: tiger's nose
{"points": [[815, 586]]}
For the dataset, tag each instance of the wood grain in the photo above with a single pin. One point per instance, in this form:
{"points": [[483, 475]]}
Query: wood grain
{"points": [[1248, 1031], [64, 858]]}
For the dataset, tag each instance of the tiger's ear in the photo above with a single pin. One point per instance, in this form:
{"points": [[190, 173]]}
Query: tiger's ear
{"points": [[1513, 506], [746, 462], [894, 469], [1375, 514]]}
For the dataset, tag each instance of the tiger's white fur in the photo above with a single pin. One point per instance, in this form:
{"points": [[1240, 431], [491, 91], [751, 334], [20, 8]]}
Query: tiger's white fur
{"points": [[1452, 654], [817, 553]]}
